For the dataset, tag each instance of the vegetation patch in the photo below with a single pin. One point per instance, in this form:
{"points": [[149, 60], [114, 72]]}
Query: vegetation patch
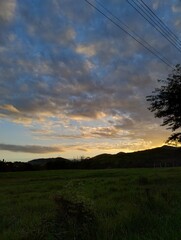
{"points": [[75, 216], [124, 204]]}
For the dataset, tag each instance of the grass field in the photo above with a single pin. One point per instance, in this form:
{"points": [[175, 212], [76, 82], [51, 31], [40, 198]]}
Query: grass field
{"points": [[134, 204]]}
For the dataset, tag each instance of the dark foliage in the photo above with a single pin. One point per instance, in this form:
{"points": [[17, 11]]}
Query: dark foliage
{"points": [[166, 103], [15, 166]]}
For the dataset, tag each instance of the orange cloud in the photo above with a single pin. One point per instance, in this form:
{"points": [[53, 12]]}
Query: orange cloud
{"points": [[9, 108]]}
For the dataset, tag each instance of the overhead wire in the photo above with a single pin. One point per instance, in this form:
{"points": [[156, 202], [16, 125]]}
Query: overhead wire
{"points": [[153, 21], [125, 25], [130, 34], [160, 22], [157, 21], [154, 25]]}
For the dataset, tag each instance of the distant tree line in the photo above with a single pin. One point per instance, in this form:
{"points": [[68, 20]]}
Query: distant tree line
{"points": [[15, 166]]}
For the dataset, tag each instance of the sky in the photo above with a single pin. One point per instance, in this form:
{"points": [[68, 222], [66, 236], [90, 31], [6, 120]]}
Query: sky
{"points": [[73, 84]]}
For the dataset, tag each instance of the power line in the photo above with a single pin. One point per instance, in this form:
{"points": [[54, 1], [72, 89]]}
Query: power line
{"points": [[125, 31], [140, 38], [129, 34], [146, 15], [161, 23], [158, 22], [150, 14], [155, 26]]}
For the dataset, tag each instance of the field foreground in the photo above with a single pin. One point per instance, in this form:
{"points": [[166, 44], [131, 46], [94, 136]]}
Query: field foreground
{"points": [[120, 204]]}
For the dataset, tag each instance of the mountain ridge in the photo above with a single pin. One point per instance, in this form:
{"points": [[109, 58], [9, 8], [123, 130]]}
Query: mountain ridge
{"points": [[154, 157]]}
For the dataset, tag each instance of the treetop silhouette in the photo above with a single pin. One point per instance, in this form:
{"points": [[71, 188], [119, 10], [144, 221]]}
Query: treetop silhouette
{"points": [[165, 102]]}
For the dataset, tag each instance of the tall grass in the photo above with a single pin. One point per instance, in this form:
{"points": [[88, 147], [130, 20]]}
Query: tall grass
{"points": [[125, 204]]}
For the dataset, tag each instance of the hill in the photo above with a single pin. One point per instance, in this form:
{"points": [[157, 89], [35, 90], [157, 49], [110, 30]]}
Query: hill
{"points": [[43, 161], [51, 163], [165, 156]]}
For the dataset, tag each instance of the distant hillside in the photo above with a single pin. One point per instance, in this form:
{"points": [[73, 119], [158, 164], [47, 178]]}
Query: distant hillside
{"points": [[49, 161], [165, 156]]}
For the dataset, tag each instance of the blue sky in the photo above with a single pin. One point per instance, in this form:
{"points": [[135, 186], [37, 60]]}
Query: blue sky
{"points": [[73, 84]]}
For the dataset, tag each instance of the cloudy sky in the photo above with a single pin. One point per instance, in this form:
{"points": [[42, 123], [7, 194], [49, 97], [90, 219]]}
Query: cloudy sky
{"points": [[74, 84]]}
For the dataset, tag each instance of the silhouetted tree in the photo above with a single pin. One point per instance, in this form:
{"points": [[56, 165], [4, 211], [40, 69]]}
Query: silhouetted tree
{"points": [[166, 103]]}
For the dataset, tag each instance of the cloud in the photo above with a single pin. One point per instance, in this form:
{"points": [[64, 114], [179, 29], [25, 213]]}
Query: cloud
{"points": [[104, 132], [37, 149], [9, 108], [7, 9], [176, 8], [51, 75], [87, 50], [30, 148], [68, 73], [178, 23]]}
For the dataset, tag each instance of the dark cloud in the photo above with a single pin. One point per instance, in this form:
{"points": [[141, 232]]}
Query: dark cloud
{"points": [[29, 149]]}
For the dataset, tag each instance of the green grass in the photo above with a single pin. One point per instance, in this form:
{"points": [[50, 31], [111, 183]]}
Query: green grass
{"points": [[129, 204]]}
